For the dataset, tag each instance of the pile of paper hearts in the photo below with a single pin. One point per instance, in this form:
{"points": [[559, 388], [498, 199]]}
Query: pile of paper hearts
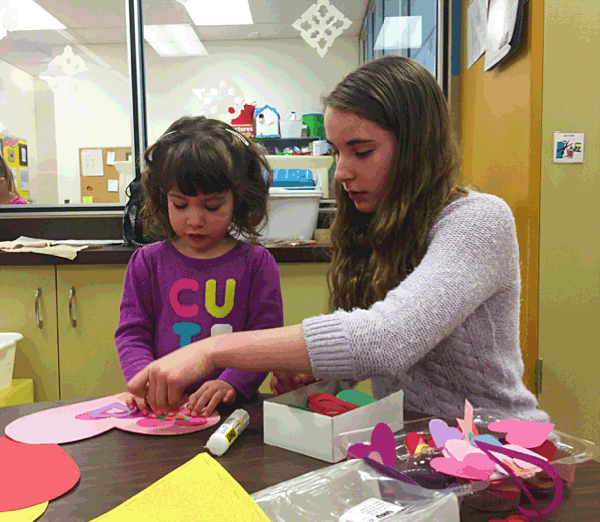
{"points": [[333, 405]]}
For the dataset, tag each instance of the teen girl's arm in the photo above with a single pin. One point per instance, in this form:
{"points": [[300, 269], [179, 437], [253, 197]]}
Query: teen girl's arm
{"points": [[265, 310], [135, 332], [164, 381]]}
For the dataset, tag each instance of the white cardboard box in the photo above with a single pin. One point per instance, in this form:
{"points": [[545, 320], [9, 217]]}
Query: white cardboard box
{"points": [[317, 435]]}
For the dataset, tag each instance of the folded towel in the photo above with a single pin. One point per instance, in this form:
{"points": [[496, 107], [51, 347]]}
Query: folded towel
{"points": [[40, 246]]}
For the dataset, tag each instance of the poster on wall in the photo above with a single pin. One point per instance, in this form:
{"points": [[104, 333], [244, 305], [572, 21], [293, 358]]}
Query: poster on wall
{"points": [[11, 151], [23, 155]]}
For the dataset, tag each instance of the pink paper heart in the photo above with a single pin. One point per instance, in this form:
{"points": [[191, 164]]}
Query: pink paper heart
{"points": [[382, 442], [525, 467], [527, 434], [459, 449], [474, 466], [74, 422], [441, 432]]}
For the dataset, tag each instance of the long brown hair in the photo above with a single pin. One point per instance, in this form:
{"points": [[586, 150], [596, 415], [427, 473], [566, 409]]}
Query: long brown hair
{"points": [[374, 252], [202, 155], [7, 174]]}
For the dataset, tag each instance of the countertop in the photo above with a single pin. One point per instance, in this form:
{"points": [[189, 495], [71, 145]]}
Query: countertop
{"points": [[117, 254]]}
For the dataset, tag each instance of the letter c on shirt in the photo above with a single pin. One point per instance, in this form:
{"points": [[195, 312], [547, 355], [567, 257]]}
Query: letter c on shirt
{"points": [[183, 310]]}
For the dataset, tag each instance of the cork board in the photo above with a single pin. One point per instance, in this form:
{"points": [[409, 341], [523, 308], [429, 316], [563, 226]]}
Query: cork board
{"points": [[97, 186]]}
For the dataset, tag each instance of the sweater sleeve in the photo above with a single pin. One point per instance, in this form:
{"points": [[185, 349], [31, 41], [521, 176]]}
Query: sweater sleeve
{"points": [[472, 247], [265, 310], [134, 336]]}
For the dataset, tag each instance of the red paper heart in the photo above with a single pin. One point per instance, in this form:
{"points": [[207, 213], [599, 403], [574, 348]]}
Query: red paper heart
{"points": [[546, 450], [33, 473], [511, 518], [413, 440]]}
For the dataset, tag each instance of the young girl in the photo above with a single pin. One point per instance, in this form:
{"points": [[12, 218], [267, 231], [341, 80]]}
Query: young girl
{"points": [[425, 273], [8, 190], [203, 184]]}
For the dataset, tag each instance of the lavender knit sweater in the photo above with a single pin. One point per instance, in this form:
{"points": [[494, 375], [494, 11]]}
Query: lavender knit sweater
{"points": [[449, 331]]}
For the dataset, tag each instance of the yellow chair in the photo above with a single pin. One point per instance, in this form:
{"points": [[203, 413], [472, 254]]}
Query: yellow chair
{"points": [[20, 391]]}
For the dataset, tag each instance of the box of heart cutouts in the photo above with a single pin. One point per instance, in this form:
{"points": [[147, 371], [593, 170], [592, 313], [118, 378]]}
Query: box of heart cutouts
{"points": [[310, 419]]}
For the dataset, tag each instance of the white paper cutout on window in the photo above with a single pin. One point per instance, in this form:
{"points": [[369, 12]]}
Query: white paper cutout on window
{"points": [[9, 20], [321, 24], [62, 69], [217, 96]]}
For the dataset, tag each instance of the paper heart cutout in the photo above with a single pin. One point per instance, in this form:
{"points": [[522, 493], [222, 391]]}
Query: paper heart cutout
{"points": [[382, 442], [546, 450], [474, 466], [33, 474], [526, 467], [511, 518], [459, 449], [73, 422], [441, 432], [413, 440], [490, 439], [528, 434]]}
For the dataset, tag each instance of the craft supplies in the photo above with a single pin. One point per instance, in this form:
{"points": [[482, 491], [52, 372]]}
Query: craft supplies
{"points": [[228, 432], [329, 405], [355, 397]]}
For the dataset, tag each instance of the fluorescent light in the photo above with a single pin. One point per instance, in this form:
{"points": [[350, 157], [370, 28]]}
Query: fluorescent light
{"points": [[32, 17], [400, 32], [219, 12], [174, 40]]}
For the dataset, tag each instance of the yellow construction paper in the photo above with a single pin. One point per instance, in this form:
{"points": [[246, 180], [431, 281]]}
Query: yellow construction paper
{"points": [[200, 490], [24, 515]]}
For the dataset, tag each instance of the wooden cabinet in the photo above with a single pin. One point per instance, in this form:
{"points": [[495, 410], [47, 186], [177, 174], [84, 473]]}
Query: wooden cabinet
{"points": [[66, 360], [37, 353], [88, 299]]}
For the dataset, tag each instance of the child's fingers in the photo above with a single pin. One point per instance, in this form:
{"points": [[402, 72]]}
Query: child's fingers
{"points": [[212, 404], [142, 406], [229, 396], [197, 402]]}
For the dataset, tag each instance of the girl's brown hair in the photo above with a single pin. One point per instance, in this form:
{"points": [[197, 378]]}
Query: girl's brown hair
{"points": [[200, 155], [7, 174], [374, 252]]}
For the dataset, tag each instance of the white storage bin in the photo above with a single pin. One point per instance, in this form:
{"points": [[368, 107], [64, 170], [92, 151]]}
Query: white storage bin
{"points": [[292, 213], [8, 346], [319, 165], [291, 126]]}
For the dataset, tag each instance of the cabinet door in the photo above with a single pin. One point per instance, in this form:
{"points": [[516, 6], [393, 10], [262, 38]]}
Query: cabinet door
{"points": [[37, 353], [88, 299]]}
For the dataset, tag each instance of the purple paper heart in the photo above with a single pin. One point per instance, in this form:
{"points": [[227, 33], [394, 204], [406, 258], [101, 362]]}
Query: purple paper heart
{"points": [[441, 432], [382, 442]]}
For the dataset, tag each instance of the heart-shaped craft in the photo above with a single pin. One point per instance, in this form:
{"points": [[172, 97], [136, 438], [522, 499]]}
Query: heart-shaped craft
{"points": [[528, 434], [88, 419], [490, 439], [441, 432], [413, 441], [474, 466], [525, 467], [546, 450], [33, 474], [459, 449], [511, 518], [382, 442]]}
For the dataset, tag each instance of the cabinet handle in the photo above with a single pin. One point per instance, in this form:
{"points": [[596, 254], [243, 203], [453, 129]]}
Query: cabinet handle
{"points": [[71, 296], [38, 294]]}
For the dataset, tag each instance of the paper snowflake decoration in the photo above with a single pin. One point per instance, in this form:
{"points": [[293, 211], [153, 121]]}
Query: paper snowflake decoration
{"points": [[321, 24], [69, 62], [218, 96]]}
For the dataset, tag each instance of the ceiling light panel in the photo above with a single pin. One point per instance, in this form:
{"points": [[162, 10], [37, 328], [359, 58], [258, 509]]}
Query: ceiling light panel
{"points": [[31, 17], [220, 12], [174, 40]]}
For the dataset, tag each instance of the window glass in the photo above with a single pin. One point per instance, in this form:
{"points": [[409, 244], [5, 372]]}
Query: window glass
{"points": [[64, 99]]}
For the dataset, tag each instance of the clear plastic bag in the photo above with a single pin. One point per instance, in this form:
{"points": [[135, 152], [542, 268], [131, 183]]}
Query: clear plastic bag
{"points": [[351, 491]]}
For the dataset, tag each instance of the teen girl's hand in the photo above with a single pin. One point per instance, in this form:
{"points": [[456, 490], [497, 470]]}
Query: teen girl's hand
{"points": [[164, 381], [204, 400], [283, 382]]}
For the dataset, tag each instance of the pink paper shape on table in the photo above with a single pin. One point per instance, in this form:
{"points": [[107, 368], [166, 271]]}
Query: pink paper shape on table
{"points": [[525, 467], [459, 449], [383, 444], [466, 425], [33, 474], [88, 419], [474, 466], [441, 432], [528, 434]]}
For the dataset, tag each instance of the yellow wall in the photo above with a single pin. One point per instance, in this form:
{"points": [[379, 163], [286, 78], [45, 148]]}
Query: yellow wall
{"points": [[500, 135], [570, 221]]}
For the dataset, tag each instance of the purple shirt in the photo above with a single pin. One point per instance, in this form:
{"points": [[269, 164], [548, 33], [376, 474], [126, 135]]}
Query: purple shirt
{"points": [[18, 201], [171, 300]]}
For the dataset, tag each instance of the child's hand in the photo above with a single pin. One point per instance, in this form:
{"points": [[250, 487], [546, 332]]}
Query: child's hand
{"points": [[205, 399], [283, 382], [140, 403]]}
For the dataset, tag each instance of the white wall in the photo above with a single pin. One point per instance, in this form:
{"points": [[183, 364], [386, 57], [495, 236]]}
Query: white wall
{"points": [[286, 74], [17, 111]]}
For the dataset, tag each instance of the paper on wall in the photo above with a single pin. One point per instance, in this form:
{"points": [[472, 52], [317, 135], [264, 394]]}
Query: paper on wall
{"points": [[476, 30], [110, 158], [24, 178], [91, 162], [113, 185]]}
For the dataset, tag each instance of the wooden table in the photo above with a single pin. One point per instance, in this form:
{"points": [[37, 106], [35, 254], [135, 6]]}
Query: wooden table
{"points": [[117, 464]]}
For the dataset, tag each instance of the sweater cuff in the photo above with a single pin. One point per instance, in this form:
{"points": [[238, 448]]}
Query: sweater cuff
{"points": [[328, 348]]}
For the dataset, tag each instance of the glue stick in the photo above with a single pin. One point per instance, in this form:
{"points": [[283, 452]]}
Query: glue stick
{"points": [[228, 432]]}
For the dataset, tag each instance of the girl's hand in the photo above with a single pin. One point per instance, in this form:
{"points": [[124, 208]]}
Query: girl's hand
{"points": [[283, 382], [164, 381], [205, 399], [134, 402]]}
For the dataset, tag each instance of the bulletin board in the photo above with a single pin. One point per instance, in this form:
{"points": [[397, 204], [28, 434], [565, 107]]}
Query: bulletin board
{"points": [[16, 154], [98, 176]]}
